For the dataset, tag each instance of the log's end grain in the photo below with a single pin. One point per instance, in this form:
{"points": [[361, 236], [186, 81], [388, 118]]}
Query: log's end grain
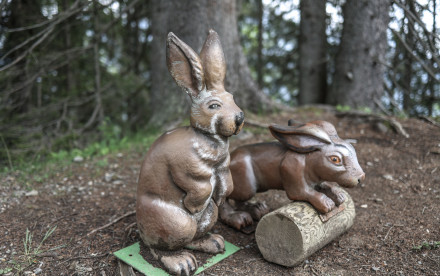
{"points": [[290, 234], [279, 240]]}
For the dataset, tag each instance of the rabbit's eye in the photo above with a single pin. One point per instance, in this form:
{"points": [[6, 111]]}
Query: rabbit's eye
{"points": [[335, 160], [214, 106]]}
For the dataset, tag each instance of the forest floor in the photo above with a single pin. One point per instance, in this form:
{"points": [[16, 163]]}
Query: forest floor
{"points": [[396, 230]]}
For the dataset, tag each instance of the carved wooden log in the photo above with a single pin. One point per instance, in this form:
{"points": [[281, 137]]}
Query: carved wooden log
{"points": [[290, 234]]}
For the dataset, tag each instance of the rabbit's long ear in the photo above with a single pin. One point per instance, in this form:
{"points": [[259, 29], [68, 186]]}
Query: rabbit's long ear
{"points": [[214, 63], [327, 127], [185, 66], [293, 122], [303, 139]]}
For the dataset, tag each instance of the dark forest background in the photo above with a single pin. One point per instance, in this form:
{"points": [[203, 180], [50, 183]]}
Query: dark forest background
{"points": [[74, 72]]}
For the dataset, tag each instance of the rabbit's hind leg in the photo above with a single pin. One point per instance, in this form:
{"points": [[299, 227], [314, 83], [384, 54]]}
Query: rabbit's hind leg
{"points": [[209, 243], [163, 225], [206, 219], [178, 262], [166, 229]]}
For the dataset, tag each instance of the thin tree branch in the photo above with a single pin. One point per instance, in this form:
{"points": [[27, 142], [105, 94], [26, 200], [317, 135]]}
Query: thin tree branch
{"points": [[3, 4], [95, 112], [429, 45], [41, 33], [381, 107], [7, 152], [47, 67], [427, 69], [38, 42], [390, 97], [62, 16], [50, 28], [111, 23], [413, 16]]}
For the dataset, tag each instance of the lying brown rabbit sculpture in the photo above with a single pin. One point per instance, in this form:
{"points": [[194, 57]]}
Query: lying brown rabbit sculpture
{"points": [[307, 156], [185, 175]]}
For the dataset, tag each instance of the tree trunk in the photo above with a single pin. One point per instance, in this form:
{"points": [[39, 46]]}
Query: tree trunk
{"points": [[408, 58], [190, 21], [22, 13], [359, 65], [99, 107], [260, 45], [312, 52], [68, 70], [432, 83]]}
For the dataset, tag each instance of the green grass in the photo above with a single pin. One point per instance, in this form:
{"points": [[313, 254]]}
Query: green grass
{"points": [[427, 245], [31, 251], [346, 108], [41, 168], [313, 109]]}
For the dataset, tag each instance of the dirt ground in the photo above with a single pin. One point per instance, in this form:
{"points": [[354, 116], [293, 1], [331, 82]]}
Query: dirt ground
{"points": [[396, 229]]}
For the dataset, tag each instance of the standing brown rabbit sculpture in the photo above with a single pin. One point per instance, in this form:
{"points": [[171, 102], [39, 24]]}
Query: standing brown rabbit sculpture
{"points": [[185, 175], [307, 156]]}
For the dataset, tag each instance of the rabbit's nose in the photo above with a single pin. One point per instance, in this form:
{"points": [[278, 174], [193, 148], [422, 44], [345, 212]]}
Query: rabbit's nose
{"points": [[239, 118], [362, 178]]}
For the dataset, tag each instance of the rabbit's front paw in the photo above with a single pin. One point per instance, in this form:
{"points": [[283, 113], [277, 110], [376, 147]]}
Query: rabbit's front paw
{"points": [[181, 264], [193, 207], [336, 195], [197, 200], [238, 219], [333, 192], [326, 204], [257, 210], [322, 203]]}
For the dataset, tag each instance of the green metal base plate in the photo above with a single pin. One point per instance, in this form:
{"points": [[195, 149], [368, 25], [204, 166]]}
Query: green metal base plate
{"points": [[130, 255]]}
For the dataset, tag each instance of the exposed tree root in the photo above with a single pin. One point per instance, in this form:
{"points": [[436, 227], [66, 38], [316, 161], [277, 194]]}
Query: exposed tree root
{"points": [[429, 120], [397, 127]]}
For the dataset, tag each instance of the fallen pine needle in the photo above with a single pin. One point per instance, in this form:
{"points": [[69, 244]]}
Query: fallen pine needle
{"points": [[111, 222]]}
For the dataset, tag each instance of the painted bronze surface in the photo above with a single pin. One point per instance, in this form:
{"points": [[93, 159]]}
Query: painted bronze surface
{"points": [[185, 175], [304, 163]]}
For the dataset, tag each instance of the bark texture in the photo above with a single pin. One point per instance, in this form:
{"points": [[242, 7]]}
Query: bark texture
{"points": [[290, 234], [190, 21], [359, 69], [312, 52]]}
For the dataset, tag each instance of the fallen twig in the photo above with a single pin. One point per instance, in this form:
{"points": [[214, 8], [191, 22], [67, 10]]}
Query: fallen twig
{"points": [[125, 269], [83, 257], [111, 222], [130, 226], [48, 254], [388, 232], [63, 217]]}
